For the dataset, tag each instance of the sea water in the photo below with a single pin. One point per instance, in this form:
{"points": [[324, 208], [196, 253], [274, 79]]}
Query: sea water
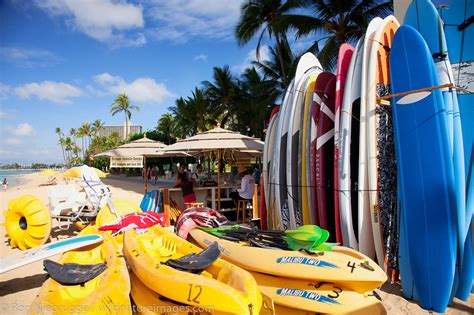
{"points": [[14, 176]]}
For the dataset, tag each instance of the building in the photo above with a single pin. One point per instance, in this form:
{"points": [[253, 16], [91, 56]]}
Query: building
{"points": [[108, 130]]}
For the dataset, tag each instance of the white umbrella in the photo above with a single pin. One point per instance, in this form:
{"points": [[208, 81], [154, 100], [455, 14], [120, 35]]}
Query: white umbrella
{"points": [[221, 141], [142, 147]]}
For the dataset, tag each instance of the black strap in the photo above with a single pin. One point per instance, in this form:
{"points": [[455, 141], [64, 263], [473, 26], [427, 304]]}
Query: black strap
{"points": [[466, 23]]}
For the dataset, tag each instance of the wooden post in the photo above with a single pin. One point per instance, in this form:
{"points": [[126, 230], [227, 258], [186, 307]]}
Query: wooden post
{"points": [[218, 180], [255, 212], [146, 173], [166, 205]]}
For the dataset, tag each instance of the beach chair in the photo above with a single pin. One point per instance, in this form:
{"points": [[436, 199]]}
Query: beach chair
{"points": [[65, 201], [51, 181]]}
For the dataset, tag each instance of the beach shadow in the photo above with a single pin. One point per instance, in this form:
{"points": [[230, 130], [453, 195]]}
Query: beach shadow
{"points": [[59, 234], [22, 284], [456, 305]]}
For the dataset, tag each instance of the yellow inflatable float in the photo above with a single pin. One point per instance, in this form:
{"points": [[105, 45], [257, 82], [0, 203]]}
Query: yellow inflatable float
{"points": [[28, 222]]}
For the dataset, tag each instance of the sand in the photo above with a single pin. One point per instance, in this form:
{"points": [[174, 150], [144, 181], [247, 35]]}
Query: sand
{"points": [[19, 287]]}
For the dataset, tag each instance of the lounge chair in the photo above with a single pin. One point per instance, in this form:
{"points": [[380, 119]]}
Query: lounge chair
{"points": [[65, 201], [51, 181]]}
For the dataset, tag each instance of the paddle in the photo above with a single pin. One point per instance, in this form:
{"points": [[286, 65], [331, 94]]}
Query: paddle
{"points": [[308, 237]]}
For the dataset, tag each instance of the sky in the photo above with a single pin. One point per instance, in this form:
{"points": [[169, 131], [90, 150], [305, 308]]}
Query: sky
{"points": [[63, 62]]}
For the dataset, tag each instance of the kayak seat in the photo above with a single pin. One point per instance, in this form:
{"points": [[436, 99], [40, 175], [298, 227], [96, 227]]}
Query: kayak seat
{"points": [[72, 273], [196, 262]]}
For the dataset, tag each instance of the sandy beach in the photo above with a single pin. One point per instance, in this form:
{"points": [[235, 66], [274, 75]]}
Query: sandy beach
{"points": [[19, 287]]}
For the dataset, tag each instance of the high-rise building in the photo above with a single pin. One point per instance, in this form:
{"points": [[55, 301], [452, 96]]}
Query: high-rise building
{"points": [[109, 129]]}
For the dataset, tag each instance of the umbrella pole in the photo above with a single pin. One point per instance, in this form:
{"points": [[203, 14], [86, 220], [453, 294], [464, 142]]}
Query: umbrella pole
{"points": [[146, 173], [218, 180]]}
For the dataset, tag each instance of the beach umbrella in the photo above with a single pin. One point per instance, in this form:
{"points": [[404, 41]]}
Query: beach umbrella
{"points": [[143, 147], [48, 173], [221, 142], [75, 172]]}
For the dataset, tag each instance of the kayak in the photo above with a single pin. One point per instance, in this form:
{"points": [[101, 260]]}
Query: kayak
{"points": [[307, 295], [149, 302], [107, 293], [356, 272], [222, 285]]}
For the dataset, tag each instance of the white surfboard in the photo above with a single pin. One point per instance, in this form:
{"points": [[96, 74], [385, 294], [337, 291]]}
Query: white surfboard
{"points": [[31, 255], [348, 177], [366, 241]]}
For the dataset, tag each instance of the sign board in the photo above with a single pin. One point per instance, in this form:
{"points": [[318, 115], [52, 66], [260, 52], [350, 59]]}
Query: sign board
{"points": [[126, 161]]}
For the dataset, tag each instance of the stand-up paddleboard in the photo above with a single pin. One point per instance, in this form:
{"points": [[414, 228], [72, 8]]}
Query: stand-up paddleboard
{"points": [[31, 255], [270, 188], [325, 159], [281, 209], [400, 8], [307, 62], [422, 15], [381, 148], [459, 30], [349, 150], [343, 61], [318, 103], [305, 142], [426, 170], [366, 240]]}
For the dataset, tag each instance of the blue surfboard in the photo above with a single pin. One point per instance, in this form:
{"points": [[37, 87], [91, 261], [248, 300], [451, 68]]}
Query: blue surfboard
{"points": [[426, 176]]}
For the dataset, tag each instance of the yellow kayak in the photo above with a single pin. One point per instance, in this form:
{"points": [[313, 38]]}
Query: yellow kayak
{"points": [[354, 271], [148, 302], [225, 287], [108, 293], [323, 297]]}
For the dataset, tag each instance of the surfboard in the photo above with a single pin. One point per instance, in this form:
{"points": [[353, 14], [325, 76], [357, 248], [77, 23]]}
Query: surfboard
{"points": [[281, 215], [269, 176], [305, 142], [306, 62], [423, 16], [319, 212], [349, 150], [31, 255], [325, 159], [343, 61], [381, 163], [366, 240], [426, 170]]}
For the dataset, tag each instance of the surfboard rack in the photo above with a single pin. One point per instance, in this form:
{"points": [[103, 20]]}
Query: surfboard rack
{"points": [[383, 100]]}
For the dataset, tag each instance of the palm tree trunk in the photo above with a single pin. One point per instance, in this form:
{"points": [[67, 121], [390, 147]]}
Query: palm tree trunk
{"points": [[280, 57], [126, 126]]}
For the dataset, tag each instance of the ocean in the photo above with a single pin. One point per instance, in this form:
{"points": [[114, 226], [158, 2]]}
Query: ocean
{"points": [[13, 177]]}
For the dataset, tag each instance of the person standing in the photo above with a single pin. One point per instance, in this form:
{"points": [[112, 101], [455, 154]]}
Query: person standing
{"points": [[152, 174], [5, 184]]}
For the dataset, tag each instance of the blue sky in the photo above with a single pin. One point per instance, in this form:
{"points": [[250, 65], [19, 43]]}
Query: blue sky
{"points": [[63, 62]]}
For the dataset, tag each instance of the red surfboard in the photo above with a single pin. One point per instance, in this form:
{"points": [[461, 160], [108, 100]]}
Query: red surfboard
{"points": [[343, 61], [325, 157]]}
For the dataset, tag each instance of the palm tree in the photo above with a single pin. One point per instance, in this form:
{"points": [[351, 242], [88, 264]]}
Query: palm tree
{"points": [[166, 126], [258, 96], [97, 126], [60, 134], [222, 93], [272, 69], [121, 104], [339, 21], [261, 15]]}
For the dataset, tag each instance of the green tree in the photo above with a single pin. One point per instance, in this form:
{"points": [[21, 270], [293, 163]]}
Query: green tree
{"points": [[256, 15], [60, 134], [334, 22], [222, 93], [97, 126], [121, 104], [166, 127]]}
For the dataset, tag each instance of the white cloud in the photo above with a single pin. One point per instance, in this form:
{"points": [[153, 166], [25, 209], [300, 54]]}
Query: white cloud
{"points": [[13, 141], [200, 57], [56, 92], [180, 20], [5, 90], [28, 58], [264, 55], [143, 90], [113, 22], [23, 130]]}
